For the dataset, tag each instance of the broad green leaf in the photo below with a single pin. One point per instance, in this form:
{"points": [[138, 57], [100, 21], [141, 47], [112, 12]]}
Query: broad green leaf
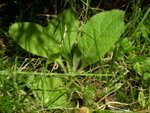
{"points": [[60, 34], [99, 35], [34, 38], [64, 28], [49, 91]]}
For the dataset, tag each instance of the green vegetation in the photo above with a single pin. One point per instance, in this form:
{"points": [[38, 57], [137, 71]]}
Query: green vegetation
{"points": [[95, 59]]}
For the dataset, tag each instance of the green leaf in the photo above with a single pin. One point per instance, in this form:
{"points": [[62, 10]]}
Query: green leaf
{"points": [[64, 28], [49, 91], [59, 36], [76, 59], [146, 76], [137, 68], [34, 38], [99, 35], [144, 30], [147, 65], [141, 99]]}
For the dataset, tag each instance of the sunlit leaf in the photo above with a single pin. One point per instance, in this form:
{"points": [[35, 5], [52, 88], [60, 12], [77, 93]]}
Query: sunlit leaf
{"points": [[34, 39], [99, 35]]}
